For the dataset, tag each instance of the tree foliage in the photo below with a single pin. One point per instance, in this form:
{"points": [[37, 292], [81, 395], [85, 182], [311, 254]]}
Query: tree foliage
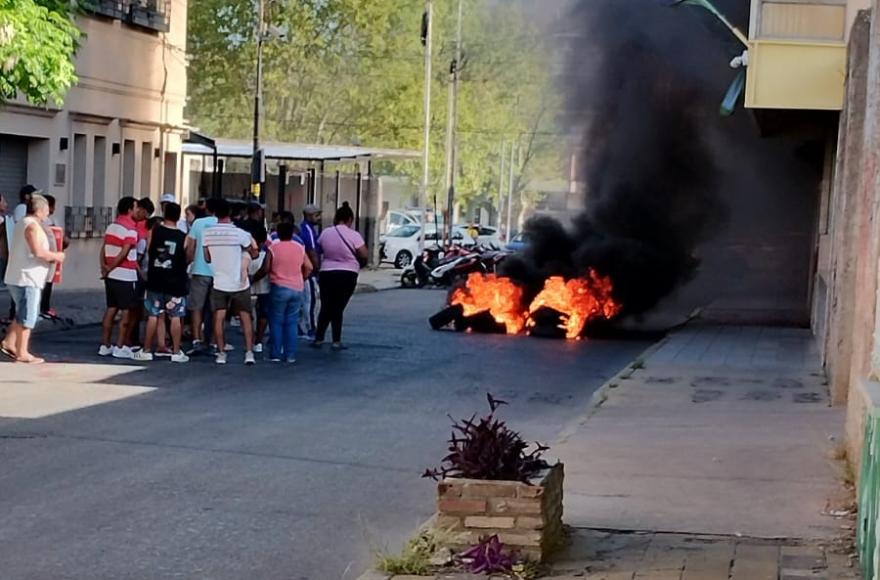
{"points": [[38, 40], [352, 71]]}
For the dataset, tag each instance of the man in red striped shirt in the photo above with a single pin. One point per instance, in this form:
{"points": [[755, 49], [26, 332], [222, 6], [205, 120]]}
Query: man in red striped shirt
{"points": [[119, 270]]}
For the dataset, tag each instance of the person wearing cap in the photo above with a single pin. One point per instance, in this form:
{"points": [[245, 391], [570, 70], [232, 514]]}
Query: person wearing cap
{"points": [[167, 198], [311, 296]]}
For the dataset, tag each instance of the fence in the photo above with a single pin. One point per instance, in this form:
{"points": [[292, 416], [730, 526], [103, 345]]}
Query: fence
{"points": [[87, 222]]}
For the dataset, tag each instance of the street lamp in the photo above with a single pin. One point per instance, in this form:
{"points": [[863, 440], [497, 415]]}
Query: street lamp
{"points": [[258, 163]]}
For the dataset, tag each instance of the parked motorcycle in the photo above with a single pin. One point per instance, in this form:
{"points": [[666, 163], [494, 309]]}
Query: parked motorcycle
{"points": [[434, 268]]}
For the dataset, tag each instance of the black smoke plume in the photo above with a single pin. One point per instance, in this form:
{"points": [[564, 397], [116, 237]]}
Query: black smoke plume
{"points": [[651, 180]]}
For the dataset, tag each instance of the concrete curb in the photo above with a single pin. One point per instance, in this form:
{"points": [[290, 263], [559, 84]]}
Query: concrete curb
{"points": [[594, 405]]}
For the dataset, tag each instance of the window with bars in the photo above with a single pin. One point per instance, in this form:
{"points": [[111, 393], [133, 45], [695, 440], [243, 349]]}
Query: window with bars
{"points": [[87, 222]]}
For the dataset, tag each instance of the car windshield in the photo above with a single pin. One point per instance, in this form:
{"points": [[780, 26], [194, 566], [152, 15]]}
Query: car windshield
{"points": [[404, 232]]}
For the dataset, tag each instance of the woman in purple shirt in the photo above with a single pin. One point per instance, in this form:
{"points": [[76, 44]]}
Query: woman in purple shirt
{"points": [[343, 254]]}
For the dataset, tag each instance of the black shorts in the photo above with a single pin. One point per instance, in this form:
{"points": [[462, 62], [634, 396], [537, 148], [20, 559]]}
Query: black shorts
{"points": [[121, 295], [234, 302]]}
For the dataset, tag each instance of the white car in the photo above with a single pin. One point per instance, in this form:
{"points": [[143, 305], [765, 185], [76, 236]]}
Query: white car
{"points": [[401, 245], [489, 237]]}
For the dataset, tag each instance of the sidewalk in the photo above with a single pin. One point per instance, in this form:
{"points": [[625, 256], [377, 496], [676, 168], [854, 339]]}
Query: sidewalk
{"points": [[710, 459], [85, 307]]}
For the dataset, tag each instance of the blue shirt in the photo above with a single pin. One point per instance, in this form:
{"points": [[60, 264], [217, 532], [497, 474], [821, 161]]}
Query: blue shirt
{"points": [[309, 236], [197, 233]]}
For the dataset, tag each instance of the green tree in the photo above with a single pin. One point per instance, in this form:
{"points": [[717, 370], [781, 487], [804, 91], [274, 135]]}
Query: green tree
{"points": [[351, 71], [38, 41]]}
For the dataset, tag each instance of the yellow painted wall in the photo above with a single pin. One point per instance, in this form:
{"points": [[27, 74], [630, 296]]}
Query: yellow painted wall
{"points": [[796, 75]]}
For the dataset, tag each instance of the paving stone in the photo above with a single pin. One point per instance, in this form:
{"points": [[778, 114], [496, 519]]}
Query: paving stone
{"points": [[755, 562], [374, 575], [658, 575]]}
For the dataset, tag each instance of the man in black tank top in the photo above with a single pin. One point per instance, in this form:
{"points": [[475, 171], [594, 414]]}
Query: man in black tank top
{"points": [[166, 282]]}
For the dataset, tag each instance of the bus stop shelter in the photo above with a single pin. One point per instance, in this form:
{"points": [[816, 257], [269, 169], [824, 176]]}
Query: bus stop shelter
{"points": [[295, 175], [309, 164]]}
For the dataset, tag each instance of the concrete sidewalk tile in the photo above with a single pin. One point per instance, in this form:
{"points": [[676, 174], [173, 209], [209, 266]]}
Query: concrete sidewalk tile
{"points": [[718, 574], [658, 575], [375, 575], [756, 562], [712, 562]]}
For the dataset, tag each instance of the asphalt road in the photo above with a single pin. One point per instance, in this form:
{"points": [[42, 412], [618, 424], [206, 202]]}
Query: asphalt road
{"points": [[114, 471]]}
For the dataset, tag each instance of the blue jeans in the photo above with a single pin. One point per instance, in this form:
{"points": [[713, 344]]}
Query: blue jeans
{"points": [[284, 321]]}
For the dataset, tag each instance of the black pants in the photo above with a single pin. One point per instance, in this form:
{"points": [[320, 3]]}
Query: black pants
{"points": [[337, 287], [46, 299]]}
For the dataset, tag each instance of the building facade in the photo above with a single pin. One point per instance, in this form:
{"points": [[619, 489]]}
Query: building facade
{"points": [[834, 48], [118, 132]]}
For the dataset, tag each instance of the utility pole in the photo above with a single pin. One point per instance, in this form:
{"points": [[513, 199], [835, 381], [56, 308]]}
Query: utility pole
{"points": [[514, 151], [257, 162], [426, 169], [451, 145], [501, 183]]}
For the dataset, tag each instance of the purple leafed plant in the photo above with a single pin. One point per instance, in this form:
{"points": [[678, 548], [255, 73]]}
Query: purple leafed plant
{"points": [[488, 449], [487, 557]]}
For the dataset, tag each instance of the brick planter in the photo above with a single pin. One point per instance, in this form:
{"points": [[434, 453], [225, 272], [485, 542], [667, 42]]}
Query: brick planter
{"points": [[527, 518]]}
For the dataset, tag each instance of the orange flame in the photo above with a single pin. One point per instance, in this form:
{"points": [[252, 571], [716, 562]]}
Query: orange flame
{"points": [[579, 300], [499, 296]]}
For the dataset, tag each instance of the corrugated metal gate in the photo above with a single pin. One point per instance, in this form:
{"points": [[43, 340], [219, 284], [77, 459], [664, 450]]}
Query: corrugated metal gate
{"points": [[13, 166]]}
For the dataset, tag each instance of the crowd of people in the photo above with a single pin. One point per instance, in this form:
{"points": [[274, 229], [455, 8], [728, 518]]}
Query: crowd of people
{"points": [[186, 275]]}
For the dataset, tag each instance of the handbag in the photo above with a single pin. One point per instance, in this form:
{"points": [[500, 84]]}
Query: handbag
{"points": [[362, 262]]}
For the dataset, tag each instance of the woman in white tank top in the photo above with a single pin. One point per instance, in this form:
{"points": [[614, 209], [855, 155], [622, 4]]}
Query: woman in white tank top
{"points": [[26, 274]]}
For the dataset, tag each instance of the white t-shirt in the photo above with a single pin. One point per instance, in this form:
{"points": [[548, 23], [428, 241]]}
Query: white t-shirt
{"points": [[261, 286], [19, 212], [227, 243]]}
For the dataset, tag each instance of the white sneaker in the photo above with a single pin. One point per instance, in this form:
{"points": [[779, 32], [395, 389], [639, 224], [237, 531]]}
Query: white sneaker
{"points": [[123, 352], [105, 350], [221, 358], [143, 356], [249, 358], [228, 348], [179, 357], [291, 361], [258, 348]]}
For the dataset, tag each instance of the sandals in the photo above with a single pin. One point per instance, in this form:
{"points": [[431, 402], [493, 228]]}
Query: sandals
{"points": [[34, 360], [7, 352]]}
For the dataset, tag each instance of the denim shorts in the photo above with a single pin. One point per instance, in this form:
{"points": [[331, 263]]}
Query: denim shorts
{"points": [[27, 304], [157, 304]]}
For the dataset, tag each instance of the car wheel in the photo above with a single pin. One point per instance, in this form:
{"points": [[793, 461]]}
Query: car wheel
{"points": [[403, 259]]}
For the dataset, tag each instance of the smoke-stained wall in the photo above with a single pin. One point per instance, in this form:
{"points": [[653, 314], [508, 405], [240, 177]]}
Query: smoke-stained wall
{"points": [[686, 209]]}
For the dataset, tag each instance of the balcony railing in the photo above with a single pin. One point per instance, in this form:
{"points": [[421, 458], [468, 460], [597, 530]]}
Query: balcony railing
{"points": [[148, 14], [145, 14]]}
